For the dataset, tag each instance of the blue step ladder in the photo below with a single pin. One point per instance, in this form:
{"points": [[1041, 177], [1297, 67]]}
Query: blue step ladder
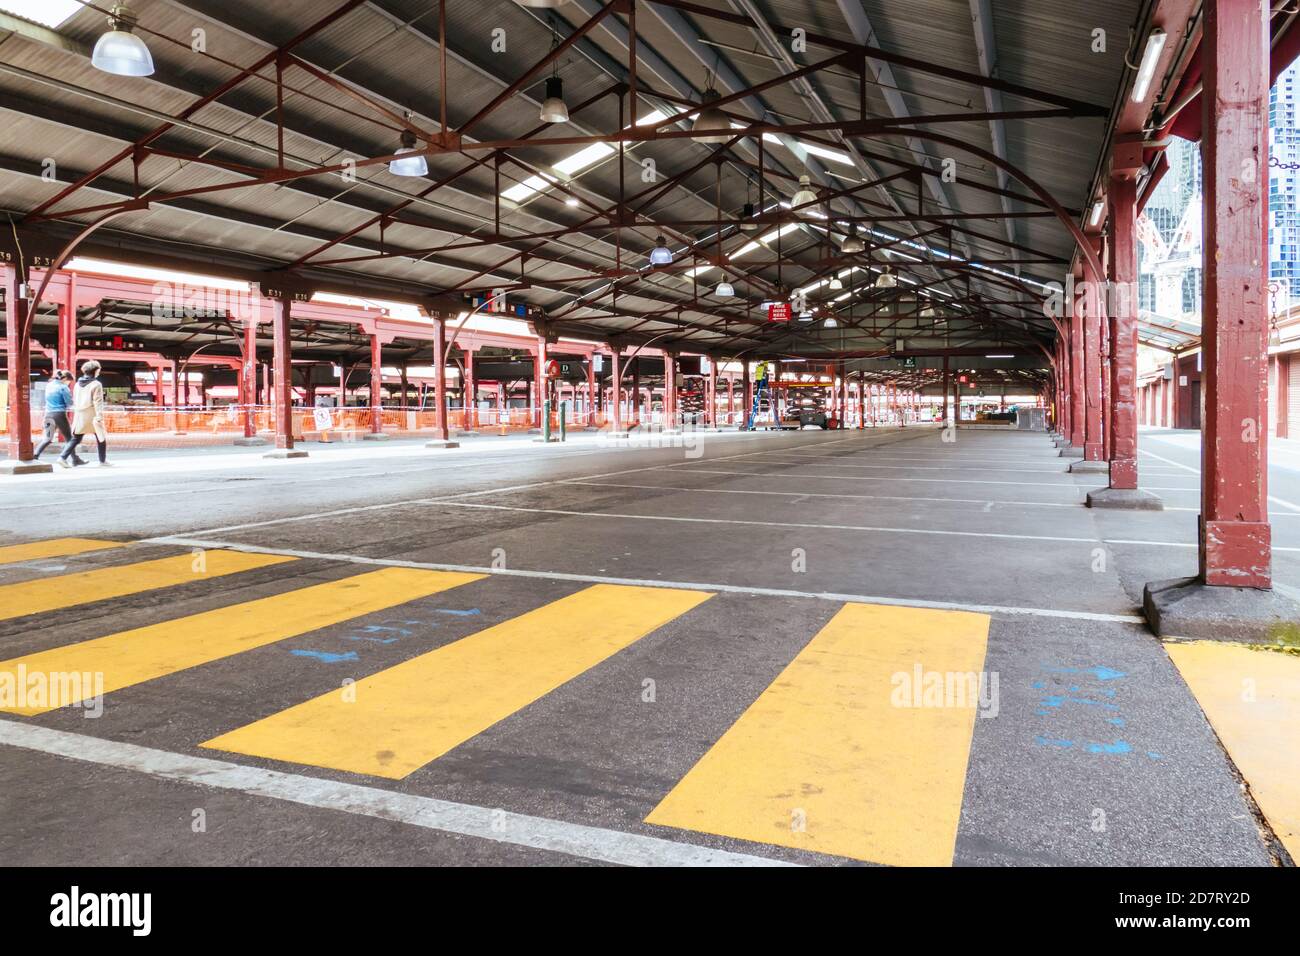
{"points": [[762, 402]]}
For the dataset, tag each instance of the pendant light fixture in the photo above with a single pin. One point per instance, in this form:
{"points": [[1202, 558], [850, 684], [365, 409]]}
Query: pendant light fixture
{"points": [[540, 4], [554, 109], [661, 255], [408, 165], [886, 279], [851, 244], [724, 289], [747, 214], [830, 322], [805, 194], [119, 51], [835, 284], [711, 118]]}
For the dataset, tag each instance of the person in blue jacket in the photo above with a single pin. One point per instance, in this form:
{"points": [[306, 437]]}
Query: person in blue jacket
{"points": [[58, 402]]}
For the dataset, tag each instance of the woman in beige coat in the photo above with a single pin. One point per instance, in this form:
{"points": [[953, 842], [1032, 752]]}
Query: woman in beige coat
{"points": [[87, 415]]}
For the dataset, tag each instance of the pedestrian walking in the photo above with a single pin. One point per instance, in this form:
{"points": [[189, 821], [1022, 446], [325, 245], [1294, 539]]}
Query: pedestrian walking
{"points": [[58, 402], [87, 416]]}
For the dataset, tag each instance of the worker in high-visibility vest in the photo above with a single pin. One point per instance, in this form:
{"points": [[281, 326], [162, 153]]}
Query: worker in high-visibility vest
{"points": [[760, 373]]}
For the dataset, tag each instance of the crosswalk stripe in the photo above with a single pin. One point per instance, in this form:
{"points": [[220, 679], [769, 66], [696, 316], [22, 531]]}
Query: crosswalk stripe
{"points": [[1252, 699], [83, 587], [844, 753], [53, 548], [145, 653], [394, 722]]}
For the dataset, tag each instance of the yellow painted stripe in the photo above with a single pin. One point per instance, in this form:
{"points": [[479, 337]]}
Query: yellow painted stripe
{"points": [[394, 722], [54, 548], [1252, 699], [83, 587], [145, 653], [829, 759]]}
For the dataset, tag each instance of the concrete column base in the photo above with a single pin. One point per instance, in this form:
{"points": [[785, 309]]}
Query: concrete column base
{"points": [[1125, 499], [466, 434], [534, 431], [618, 435], [1070, 451], [1060, 442], [442, 443], [255, 440], [1090, 468], [376, 436], [1186, 607], [25, 467], [286, 453], [546, 441]]}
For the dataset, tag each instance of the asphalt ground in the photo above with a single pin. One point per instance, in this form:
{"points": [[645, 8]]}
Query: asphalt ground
{"points": [[710, 649]]}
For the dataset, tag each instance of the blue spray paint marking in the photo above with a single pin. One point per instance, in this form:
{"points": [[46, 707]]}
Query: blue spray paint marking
{"points": [[325, 657], [1049, 742], [373, 640], [1038, 685], [381, 628], [1154, 756], [447, 610], [1101, 673], [1056, 700], [1117, 721], [1118, 747]]}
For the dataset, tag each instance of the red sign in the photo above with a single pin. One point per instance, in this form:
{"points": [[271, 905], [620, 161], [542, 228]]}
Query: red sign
{"points": [[780, 312], [553, 369]]}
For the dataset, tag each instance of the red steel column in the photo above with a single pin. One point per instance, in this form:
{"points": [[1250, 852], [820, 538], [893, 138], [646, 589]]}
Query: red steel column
{"points": [[1091, 303], [66, 348], [711, 413], [591, 390], [747, 396], [670, 390], [470, 391], [539, 378], [19, 367], [1123, 323], [862, 399], [1075, 390], [616, 374], [1236, 543], [843, 400], [376, 385], [282, 387], [248, 378], [947, 387], [440, 378]]}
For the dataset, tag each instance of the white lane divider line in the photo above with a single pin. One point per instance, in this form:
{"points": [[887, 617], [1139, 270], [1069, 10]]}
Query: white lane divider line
{"points": [[1196, 471], [483, 823], [813, 494], [362, 509], [838, 597]]}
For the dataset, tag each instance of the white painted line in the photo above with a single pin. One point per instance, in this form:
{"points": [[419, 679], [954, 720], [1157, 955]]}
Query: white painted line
{"points": [[769, 524], [482, 823], [837, 597], [814, 464], [1064, 486], [983, 502], [360, 509], [1196, 471]]}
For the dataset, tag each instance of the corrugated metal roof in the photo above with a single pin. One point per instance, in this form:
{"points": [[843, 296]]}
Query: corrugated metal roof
{"points": [[62, 108]]}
